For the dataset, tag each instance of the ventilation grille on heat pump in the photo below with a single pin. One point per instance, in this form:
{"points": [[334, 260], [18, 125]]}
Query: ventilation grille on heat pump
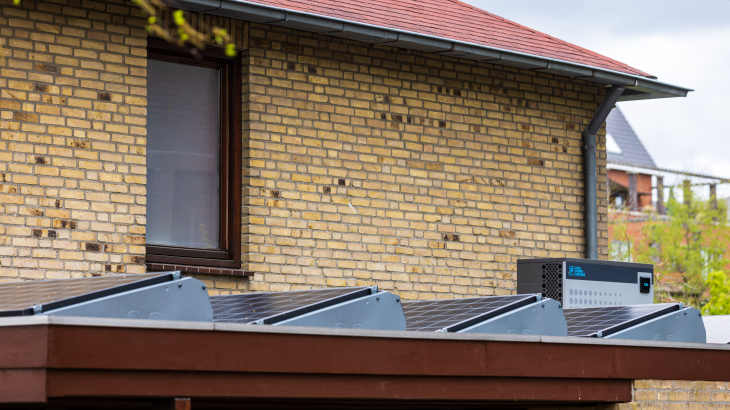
{"points": [[552, 281]]}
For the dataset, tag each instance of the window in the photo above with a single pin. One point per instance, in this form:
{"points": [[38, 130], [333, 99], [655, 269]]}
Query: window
{"points": [[193, 158], [619, 201], [612, 146]]}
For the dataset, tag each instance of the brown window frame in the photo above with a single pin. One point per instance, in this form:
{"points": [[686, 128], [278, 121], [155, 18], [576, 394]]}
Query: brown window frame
{"points": [[229, 256]]}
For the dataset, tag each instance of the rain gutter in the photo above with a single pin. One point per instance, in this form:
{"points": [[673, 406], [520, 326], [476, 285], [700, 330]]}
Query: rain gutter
{"points": [[590, 170], [637, 87]]}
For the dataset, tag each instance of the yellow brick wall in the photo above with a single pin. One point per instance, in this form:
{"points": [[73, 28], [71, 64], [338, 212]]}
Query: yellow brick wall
{"points": [[671, 395], [454, 169], [685, 395], [72, 139], [425, 175]]}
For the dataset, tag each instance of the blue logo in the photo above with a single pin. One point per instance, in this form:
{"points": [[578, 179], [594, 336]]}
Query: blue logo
{"points": [[575, 271]]}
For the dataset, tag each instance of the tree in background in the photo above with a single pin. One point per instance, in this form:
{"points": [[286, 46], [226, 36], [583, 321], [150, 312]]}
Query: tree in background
{"points": [[719, 302], [184, 32], [689, 251]]}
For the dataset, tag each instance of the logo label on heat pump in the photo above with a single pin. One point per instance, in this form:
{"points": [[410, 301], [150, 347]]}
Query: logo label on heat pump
{"points": [[575, 271], [603, 273]]}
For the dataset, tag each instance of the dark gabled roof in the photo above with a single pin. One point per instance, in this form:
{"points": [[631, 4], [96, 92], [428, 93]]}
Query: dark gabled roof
{"points": [[633, 151]]}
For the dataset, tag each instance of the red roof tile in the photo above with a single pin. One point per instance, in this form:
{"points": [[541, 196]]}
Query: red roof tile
{"points": [[453, 20]]}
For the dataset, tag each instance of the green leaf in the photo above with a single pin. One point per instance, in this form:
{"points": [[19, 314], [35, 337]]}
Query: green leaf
{"points": [[719, 303], [230, 50], [179, 17]]}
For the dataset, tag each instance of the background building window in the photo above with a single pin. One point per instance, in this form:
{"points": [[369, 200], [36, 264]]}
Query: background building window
{"points": [[193, 158]]}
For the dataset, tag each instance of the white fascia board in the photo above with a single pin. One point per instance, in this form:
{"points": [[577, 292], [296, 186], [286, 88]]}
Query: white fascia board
{"points": [[635, 170]]}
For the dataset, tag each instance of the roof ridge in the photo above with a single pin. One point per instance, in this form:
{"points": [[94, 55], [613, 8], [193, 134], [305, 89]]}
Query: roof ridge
{"points": [[540, 33]]}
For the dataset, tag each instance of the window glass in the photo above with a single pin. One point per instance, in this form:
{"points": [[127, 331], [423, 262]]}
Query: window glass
{"points": [[183, 155], [612, 145]]}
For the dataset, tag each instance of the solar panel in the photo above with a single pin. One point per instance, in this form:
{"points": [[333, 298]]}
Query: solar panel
{"points": [[32, 297], [452, 315], [588, 322], [718, 328], [268, 308]]}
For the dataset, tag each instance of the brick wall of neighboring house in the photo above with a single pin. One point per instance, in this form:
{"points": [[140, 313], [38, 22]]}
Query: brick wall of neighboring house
{"points": [[456, 169], [671, 395], [72, 139], [426, 175], [644, 186]]}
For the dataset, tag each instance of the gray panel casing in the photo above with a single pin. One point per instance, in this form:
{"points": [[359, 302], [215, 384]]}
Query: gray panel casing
{"points": [[182, 299], [585, 293], [380, 311], [685, 325], [544, 318]]}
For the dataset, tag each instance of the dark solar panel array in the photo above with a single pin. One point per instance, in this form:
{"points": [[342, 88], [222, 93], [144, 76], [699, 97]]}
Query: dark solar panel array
{"points": [[458, 314], [18, 298], [587, 322], [277, 306]]}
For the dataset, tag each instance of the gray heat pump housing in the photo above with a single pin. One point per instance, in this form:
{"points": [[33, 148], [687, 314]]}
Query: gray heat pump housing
{"points": [[379, 311], [544, 318], [181, 299], [579, 283], [684, 325]]}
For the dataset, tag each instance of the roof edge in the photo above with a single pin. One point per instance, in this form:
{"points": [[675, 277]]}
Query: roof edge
{"points": [[637, 87], [629, 167], [219, 327]]}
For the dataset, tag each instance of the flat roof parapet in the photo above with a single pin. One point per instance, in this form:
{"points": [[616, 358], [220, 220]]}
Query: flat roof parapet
{"points": [[47, 359]]}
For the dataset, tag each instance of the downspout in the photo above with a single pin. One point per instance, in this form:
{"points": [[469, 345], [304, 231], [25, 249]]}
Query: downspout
{"points": [[590, 171]]}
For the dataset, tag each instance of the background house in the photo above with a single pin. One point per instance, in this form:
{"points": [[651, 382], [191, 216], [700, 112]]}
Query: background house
{"points": [[630, 167], [635, 181]]}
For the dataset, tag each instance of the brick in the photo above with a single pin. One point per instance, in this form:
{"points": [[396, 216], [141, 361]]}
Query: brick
{"points": [[440, 182]]}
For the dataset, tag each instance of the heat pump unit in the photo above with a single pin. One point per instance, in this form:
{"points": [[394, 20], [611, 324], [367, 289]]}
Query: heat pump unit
{"points": [[578, 283]]}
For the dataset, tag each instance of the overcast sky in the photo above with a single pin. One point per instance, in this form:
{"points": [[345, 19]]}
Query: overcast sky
{"points": [[682, 42]]}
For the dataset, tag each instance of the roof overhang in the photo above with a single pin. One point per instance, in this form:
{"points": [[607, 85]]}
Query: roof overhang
{"points": [[660, 172], [52, 361], [637, 87], [634, 169]]}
